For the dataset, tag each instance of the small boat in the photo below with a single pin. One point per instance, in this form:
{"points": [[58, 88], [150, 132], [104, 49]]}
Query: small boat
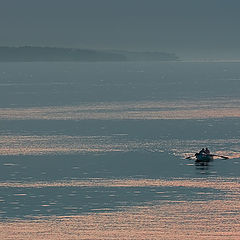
{"points": [[203, 157]]}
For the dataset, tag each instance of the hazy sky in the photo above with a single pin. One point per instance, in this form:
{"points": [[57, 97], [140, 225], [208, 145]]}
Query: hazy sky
{"points": [[194, 28]]}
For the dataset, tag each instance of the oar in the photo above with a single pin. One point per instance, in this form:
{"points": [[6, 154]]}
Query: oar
{"points": [[214, 155], [190, 157]]}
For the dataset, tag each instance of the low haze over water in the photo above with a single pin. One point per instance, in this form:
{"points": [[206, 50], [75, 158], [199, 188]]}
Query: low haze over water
{"points": [[98, 150]]}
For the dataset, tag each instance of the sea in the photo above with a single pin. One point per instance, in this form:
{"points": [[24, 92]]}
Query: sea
{"points": [[105, 150]]}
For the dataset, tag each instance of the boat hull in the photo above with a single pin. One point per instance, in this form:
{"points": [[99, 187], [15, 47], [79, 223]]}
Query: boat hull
{"points": [[204, 157]]}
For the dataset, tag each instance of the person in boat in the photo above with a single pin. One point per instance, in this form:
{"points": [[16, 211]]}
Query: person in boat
{"points": [[202, 151], [207, 151]]}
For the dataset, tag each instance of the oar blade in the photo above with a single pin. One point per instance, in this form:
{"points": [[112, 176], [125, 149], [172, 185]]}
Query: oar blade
{"points": [[214, 155], [224, 157], [189, 157]]}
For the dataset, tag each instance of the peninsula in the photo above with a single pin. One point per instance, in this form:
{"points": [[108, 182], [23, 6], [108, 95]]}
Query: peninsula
{"points": [[56, 54]]}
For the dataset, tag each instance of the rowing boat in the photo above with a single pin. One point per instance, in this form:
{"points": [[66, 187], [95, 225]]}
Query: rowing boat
{"points": [[203, 157]]}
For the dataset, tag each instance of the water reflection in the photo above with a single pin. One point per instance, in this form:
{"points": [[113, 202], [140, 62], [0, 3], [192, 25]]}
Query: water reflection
{"points": [[64, 144], [145, 110], [80, 161], [203, 214], [203, 168]]}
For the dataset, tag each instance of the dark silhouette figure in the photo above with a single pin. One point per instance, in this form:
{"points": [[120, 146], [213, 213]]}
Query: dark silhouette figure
{"points": [[207, 151]]}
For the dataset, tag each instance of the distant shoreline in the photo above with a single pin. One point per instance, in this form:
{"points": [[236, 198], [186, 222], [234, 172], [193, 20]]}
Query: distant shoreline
{"points": [[56, 54], [210, 60]]}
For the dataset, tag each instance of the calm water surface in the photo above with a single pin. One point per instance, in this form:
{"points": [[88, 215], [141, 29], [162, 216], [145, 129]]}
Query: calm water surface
{"points": [[97, 150]]}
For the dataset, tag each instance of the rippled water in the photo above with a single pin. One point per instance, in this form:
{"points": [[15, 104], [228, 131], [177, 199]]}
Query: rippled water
{"points": [[97, 151]]}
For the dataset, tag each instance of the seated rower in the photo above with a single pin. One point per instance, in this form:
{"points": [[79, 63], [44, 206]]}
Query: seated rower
{"points": [[202, 151], [207, 151]]}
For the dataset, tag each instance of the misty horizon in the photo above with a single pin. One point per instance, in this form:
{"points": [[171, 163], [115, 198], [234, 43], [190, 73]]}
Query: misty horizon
{"points": [[191, 29]]}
